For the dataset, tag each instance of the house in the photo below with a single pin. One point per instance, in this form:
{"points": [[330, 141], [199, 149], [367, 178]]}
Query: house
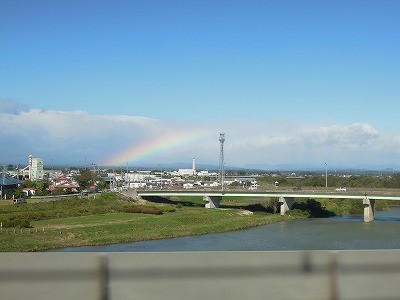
{"points": [[188, 185], [59, 179], [65, 186], [29, 192], [63, 182], [7, 185], [254, 185]]}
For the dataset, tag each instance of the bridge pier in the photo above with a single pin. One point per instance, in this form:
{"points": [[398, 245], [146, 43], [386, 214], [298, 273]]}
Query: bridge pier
{"points": [[286, 204], [212, 201], [369, 209]]}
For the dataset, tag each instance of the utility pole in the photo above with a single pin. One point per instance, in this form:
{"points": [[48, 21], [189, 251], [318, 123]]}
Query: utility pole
{"points": [[2, 186], [127, 171], [326, 175], [221, 160], [160, 176]]}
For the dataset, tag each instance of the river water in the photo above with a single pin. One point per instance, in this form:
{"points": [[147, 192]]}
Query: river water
{"points": [[336, 233]]}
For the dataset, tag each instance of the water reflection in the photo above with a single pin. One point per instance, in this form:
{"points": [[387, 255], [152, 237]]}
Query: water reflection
{"points": [[336, 233]]}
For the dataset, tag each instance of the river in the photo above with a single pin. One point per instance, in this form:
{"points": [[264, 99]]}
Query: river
{"points": [[336, 233]]}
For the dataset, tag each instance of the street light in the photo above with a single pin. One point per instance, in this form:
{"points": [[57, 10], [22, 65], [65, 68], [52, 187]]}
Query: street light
{"points": [[161, 176], [326, 175], [2, 186]]}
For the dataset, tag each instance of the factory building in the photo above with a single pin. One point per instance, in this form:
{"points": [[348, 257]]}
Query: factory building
{"points": [[188, 172], [36, 171]]}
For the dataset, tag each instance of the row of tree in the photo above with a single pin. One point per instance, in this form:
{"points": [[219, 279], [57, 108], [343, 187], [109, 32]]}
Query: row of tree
{"points": [[354, 181]]}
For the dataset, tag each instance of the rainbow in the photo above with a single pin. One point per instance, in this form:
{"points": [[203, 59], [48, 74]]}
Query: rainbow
{"points": [[152, 146]]}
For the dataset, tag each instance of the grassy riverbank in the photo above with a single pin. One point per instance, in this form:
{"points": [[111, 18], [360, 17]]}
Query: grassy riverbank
{"points": [[107, 219]]}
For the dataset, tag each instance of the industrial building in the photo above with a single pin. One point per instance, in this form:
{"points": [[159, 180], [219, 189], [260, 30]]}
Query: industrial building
{"points": [[36, 171], [188, 172]]}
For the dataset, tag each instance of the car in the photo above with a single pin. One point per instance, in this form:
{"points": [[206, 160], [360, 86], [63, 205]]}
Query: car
{"points": [[341, 189], [19, 201]]}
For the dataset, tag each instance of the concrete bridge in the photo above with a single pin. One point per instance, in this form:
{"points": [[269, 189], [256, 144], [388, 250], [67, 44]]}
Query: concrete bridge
{"points": [[213, 198]]}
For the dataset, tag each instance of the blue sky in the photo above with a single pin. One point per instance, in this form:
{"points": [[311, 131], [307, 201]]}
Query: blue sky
{"points": [[299, 82]]}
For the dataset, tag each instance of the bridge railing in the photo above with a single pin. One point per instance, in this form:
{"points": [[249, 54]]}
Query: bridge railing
{"points": [[274, 193]]}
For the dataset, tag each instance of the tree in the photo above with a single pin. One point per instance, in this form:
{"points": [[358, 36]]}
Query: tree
{"points": [[101, 183], [28, 184], [58, 191], [41, 188], [86, 178], [317, 181]]}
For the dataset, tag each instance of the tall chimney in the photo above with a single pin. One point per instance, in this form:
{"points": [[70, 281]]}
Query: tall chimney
{"points": [[194, 166]]}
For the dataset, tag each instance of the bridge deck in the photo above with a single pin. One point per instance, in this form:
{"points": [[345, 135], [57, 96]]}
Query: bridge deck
{"points": [[271, 194]]}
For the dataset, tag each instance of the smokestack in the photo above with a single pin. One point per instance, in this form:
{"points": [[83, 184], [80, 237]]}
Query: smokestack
{"points": [[194, 166]]}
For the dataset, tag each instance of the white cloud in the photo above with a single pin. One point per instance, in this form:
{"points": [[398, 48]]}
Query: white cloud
{"points": [[75, 127], [353, 135], [78, 133], [340, 144], [69, 136], [12, 107], [70, 125]]}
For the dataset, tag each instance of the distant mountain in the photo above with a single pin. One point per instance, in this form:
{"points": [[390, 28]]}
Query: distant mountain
{"points": [[177, 165], [280, 167], [314, 167], [173, 166], [360, 168]]}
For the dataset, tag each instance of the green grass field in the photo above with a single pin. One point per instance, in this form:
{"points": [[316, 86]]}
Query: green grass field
{"points": [[104, 220]]}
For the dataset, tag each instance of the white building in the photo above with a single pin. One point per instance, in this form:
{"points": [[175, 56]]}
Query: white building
{"points": [[205, 173], [188, 172], [254, 185], [188, 185], [36, 171], [141, 176]]}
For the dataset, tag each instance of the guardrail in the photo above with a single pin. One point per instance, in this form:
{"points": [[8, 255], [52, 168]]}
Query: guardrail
{"points": [[372, 274], [54, 196]]}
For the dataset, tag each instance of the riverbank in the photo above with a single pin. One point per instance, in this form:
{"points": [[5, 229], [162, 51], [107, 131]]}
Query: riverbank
{"points": [[107, 220], [335, 233]]}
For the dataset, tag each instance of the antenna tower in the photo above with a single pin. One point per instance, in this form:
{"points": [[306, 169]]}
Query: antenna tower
{"points": [[221, 160]]}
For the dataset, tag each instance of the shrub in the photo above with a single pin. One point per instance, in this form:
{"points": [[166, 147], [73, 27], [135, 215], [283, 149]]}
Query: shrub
{"points": [[168, 209], [356, 208], [381, 205], [298, 213], [314, 208], [21, 223], [143, 209]]}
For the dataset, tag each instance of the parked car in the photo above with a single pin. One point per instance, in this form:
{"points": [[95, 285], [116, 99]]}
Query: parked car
{"points": [[19, 201]]}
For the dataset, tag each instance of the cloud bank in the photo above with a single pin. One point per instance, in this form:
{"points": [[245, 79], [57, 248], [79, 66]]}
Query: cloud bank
{"points": [[77, 138]]}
